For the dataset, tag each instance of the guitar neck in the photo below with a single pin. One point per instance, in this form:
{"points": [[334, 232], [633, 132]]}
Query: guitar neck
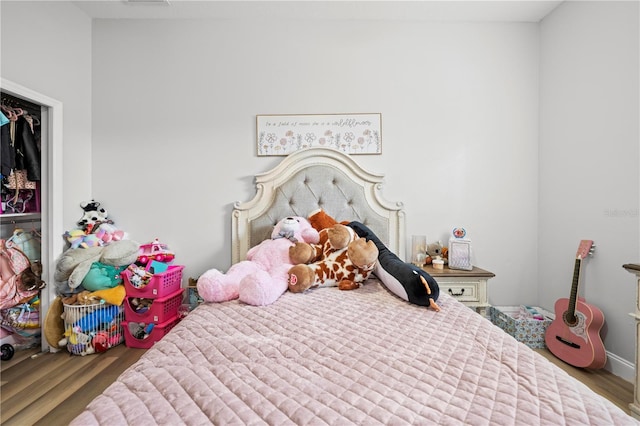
{"points": [[574, 288]]}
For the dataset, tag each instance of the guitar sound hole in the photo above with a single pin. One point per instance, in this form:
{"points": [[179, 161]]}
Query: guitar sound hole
{"points": [[570, 319]]}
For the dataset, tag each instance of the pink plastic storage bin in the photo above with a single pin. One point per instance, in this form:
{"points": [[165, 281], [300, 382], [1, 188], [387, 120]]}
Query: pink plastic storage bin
{"points": [[158, 332], [160, 310], [162, 284]]}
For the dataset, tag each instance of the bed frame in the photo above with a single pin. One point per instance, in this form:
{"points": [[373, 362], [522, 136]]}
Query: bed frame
{"points": [[310, 179]]}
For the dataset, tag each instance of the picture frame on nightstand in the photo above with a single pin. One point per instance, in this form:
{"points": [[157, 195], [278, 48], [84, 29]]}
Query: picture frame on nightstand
{"points": [[460, 254]]}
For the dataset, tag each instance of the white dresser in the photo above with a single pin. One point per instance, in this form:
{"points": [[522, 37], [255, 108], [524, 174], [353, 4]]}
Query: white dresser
{"points": [[634, 268]]}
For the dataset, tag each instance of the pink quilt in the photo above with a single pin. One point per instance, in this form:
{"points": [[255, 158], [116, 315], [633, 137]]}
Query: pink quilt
{"points": [[337, 357]]}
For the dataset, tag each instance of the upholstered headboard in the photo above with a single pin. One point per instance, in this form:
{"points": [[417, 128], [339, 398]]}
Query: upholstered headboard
{"points": [[315, 178]]}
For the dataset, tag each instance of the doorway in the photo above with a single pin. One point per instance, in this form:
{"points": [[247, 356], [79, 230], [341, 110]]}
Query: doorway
{"points": [[51, 188]]}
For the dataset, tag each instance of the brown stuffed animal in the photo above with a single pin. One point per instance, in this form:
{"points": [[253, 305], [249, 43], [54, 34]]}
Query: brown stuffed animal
{"points": [[85, 298], [336, 237], [32, 277], [341, 259], [332, 238], [320, 220]]}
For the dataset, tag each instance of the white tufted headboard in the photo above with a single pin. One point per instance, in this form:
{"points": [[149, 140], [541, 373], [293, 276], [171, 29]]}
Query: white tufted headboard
{"points": [[315, 178]]}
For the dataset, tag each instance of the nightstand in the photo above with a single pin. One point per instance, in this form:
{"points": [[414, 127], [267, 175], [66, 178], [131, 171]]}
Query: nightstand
{"points": [[469, 287]]}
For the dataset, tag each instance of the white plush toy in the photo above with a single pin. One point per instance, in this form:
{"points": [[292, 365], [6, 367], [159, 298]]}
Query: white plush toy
{"points": [[93, 214]]}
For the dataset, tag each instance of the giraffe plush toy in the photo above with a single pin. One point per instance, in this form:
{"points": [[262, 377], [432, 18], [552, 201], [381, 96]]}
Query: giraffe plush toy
{"points": [[341, 259]]}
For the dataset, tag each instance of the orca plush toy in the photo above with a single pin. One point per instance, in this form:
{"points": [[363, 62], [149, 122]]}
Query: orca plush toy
{"points": [[405, 280]]}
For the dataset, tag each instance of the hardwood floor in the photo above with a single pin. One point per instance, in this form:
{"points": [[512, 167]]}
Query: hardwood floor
{"points": [[602, 382], [52, 389]]}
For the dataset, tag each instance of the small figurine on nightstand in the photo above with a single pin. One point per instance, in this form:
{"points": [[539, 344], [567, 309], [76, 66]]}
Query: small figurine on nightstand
{"points": [[435, 251]]}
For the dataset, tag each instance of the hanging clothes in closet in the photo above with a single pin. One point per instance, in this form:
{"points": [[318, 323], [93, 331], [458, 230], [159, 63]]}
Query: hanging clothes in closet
{"points": [[20, 249], [20, 153]]}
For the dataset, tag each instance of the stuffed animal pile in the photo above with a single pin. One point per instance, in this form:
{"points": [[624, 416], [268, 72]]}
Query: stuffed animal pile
{"points": [[86, 314], [340, 259], [405, 280], [87, 276], [94, 268], [94, 228], [97, 254]]}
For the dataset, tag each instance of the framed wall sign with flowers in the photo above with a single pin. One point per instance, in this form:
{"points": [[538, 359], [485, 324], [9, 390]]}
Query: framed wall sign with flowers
{"points": [[279, 134]]}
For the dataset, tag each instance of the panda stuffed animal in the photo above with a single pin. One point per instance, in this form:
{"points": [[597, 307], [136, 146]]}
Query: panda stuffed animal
{"points": [[93, 214]]}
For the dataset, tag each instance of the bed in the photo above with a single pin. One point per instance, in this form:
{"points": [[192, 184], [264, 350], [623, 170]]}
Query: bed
{"points": [[340, 357]]}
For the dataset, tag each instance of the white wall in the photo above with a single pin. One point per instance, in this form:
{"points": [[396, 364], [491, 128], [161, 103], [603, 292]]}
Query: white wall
{"points": [[589, 152], [174, 126], [46, 47]]}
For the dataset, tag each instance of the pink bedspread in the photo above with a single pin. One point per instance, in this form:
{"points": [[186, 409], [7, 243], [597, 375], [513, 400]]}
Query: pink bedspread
{"points": [[331, 357]]}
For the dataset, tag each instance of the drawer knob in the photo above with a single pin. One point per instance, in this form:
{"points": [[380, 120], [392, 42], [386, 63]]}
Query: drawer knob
{"points": [[456, 294]]}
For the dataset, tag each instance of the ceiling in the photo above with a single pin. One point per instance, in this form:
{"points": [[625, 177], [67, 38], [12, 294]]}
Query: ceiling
{"points": [[448, 10]]}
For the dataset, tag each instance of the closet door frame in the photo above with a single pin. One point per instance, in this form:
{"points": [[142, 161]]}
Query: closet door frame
{"points": [[51, 190]]}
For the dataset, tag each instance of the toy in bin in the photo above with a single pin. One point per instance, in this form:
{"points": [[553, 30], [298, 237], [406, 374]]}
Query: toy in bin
{"points": [[156, 310], [140, 330], [138, 276], [96, 319], [155, 250], [152, 285], [144, 335]]}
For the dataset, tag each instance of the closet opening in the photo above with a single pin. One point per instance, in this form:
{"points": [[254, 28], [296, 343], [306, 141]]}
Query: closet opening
{"points": [[41, 218]]}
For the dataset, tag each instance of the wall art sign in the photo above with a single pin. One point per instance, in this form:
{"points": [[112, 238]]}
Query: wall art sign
{"points": [[279, 134]]}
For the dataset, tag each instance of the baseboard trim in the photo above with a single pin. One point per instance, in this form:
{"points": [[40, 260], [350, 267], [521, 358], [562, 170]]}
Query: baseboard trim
{"points": [[620, 367]]}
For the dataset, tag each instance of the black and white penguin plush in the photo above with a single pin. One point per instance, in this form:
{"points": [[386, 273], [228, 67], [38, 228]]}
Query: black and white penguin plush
{"points": [[405, 280]]}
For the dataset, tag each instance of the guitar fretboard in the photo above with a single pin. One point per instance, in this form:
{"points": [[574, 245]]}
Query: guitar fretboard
{"points": [[571, 312]]}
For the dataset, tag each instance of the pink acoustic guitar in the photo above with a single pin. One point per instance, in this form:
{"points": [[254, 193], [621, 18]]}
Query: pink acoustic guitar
{"points": [[574, 335]]}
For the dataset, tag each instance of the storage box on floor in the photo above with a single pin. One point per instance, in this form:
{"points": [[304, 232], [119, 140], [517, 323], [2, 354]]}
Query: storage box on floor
{"points": [[529, 331], [151, 306]]}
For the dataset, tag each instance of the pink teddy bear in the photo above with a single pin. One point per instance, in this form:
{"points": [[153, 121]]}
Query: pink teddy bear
{"points": [[263, 277]]}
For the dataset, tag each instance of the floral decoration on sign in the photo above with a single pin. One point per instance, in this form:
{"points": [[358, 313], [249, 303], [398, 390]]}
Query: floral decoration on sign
{"points": [[350, 133]]}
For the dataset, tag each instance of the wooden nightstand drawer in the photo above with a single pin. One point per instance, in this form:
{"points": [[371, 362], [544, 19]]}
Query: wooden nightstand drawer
{"points": [[469, 287], [463, 291]]}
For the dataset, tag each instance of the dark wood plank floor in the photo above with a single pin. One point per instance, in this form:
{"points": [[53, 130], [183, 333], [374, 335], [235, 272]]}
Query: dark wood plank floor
{"points": [[52, 389]]}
